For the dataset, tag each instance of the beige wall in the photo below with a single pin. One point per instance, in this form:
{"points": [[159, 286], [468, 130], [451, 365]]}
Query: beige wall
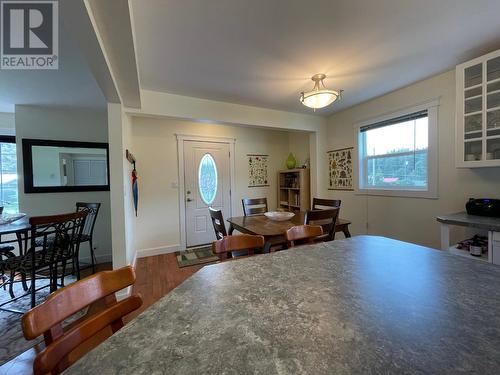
{"points": [[412, 219], [155, 147], [68, 125], [299, 146]]}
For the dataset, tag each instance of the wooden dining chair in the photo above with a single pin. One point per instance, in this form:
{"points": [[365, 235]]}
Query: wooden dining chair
{"points": [[326, 218], [218, 223], [64, 346], [254, 206], [321, 204], [225, 247], [303, 233]]}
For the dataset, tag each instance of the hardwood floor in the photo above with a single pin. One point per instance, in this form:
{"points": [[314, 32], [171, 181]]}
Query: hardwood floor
{"points": [[156, 276]]}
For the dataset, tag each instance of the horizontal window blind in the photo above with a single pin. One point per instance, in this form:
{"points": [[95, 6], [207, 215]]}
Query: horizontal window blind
{"points": [[397, 120]]}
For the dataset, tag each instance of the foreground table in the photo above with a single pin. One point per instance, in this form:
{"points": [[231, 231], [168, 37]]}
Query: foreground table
{"points": [[359, 305], [274, 231]]}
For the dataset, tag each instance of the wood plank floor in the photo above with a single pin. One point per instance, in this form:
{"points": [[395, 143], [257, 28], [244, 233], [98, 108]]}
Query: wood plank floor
{"points": [[156, 276]]}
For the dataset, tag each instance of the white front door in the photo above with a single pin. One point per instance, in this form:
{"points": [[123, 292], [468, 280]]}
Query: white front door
{"points": [[207, 184]]}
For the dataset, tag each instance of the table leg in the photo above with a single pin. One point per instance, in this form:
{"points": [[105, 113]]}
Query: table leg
{"points": [[445, 236], [231, 229]]}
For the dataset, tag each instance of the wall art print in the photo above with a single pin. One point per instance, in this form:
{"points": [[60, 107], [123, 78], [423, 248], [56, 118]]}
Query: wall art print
{"points": [[257, 170], [340, 169]]}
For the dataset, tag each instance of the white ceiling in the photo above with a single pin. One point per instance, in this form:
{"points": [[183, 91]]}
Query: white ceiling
{"points": [[263, 52], [71, 85]]}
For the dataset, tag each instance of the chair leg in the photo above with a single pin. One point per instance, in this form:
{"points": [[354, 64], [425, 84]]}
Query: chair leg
{"points": [[77, 265], [55, 276], [92, 256], [23, 281], [64, 261], [11, 284], [33, 286]]}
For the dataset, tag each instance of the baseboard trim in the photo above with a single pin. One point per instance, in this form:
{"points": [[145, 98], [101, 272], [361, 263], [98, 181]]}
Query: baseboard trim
{"points": [[157, 251]]}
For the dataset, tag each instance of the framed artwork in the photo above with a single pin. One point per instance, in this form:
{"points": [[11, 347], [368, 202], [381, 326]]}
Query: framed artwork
{"points": [[340, 169], [257, 170]]}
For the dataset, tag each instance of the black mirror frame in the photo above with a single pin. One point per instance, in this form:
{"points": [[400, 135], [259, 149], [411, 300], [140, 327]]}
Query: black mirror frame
{"points": [[28, 166]]}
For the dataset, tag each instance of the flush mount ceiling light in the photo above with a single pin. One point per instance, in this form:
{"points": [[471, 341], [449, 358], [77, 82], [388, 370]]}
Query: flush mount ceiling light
{"points": [[320, 96]]}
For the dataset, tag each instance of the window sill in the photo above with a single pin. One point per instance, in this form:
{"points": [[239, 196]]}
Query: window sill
{"points": [[426, 194]]}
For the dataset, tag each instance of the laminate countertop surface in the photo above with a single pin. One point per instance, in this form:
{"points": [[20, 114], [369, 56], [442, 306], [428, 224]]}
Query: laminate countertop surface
{"points": [[360, 305], [466, 220]]}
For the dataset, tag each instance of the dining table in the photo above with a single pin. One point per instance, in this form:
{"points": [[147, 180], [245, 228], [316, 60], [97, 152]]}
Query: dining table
{"points": [[20, 229], [361, 305], [274, 231]]}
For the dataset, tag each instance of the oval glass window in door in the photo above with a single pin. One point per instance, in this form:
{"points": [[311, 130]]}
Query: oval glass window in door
{"points": [[207, 179]]}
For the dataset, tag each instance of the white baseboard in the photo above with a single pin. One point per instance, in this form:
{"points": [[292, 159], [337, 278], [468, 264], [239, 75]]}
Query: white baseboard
{"points": [[157, 251]]}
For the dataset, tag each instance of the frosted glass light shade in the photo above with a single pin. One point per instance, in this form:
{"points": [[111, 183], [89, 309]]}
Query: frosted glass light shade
{"points": [[319, 98]]}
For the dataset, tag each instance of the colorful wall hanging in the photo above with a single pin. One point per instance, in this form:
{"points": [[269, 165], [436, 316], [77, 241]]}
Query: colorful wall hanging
{"points": [[340, 169], [135, 186], [257, 170]]}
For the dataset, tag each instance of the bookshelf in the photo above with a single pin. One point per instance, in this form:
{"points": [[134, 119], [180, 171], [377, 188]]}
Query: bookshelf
{"points": [[293, 190]]}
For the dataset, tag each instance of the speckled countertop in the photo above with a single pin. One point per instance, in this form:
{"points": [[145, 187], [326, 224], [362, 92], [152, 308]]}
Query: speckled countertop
{"points": [[360, 305], [466, 220]]}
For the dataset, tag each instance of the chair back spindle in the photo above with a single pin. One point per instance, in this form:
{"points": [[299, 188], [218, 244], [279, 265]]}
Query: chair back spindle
{"points": [[326, 218], [254, 206], [321, 204], [218, 223]]}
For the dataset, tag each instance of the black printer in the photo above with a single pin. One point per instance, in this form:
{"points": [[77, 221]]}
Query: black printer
{"points": [[483, 207]]}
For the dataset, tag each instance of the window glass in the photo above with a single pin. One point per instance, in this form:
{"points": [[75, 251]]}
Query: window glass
{"points": [[395, 156], [207, 179], [8, 177]]}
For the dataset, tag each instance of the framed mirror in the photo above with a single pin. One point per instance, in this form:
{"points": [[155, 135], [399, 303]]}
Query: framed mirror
{"points": [[65, 166]]}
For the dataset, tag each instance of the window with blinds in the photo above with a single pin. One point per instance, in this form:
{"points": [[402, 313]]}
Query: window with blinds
{"points": [[394, 153]]}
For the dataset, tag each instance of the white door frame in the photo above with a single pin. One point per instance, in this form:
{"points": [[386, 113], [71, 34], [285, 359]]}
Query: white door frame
{"points": [[182, 196]]}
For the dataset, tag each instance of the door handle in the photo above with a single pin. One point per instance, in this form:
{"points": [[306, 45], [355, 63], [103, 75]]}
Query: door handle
{"points": [[189, 200]]}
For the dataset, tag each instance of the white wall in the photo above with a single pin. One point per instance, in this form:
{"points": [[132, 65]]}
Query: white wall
{"points": [[123, 220], [412, 219], [7, 123], [68, 125], [155, 146]]}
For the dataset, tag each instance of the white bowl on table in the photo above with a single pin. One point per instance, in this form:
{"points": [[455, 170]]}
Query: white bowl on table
{"points": [[279, 215]]}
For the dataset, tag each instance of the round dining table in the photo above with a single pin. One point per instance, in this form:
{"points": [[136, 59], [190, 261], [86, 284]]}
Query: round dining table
{"points": [[19, 228]]}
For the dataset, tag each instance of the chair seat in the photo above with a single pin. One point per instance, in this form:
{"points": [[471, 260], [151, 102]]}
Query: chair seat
{"points": [[25, 261]]}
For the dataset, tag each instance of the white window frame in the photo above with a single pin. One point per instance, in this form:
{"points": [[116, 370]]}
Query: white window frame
{"points": [[432, 154]]}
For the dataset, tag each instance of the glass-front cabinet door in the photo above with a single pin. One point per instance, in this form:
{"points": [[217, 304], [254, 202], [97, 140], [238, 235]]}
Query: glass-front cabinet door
{"points": [[478, 112]]}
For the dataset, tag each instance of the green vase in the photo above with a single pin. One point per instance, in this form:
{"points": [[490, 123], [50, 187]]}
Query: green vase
{"points": [[291, 162]]}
